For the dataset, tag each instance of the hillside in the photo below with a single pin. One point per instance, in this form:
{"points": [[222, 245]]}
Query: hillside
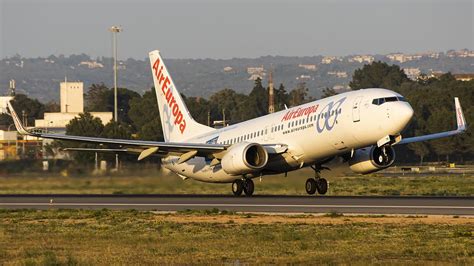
{"points": [[39, 77]]}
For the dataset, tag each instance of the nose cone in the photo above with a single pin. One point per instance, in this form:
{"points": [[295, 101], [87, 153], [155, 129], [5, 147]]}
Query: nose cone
{"points": [[401, 116]]}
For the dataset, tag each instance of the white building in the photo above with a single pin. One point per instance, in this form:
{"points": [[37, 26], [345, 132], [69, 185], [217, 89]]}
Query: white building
{"points": [[412, 73], [72, 104], [328, 59], [255, 70], [91, 64], [362, 58], [71, 97], [308, 67], [404, 57], [339, 74]]}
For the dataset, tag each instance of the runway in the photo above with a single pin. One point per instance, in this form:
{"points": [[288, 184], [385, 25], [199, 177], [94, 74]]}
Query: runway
{"points": [[273, 204]]}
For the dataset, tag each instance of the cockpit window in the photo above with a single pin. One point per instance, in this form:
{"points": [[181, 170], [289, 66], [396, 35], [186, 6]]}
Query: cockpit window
{"points": [[380, 101], [402, 99]]}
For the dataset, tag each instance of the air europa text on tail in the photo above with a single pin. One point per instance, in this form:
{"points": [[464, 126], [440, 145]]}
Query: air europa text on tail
{"points": [[165, 82]]}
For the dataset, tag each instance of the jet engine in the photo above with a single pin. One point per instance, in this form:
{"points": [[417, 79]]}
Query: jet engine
{"points": [[243, 158], [372, 159]]}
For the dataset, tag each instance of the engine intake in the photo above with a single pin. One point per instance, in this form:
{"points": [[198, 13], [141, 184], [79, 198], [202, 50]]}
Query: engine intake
{"points": [[372, 159], [243, 158]]}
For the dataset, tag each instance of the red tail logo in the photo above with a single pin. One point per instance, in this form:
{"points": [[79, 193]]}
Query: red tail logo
{"points": [[165, 83]]}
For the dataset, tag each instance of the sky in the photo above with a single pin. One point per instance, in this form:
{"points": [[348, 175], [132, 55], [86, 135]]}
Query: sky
{"points": [[228, 28]]}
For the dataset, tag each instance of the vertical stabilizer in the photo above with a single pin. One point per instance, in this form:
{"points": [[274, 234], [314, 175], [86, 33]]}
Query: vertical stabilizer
{"points": [[176, 121]]}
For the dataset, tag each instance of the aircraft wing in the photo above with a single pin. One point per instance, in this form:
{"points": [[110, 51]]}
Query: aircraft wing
{"points": [[145, 148], [461, 127]]}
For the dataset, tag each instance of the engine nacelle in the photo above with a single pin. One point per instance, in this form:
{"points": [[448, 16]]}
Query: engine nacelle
{"points": [[243, 158], [372, 159]]}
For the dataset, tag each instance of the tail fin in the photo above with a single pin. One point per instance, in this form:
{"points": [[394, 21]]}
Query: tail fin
{"points": [[459, 115], [177, 123], [16, 120]]}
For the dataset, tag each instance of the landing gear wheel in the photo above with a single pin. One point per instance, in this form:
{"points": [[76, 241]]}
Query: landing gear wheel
{"points": [[237, 187], [248, 187], [322, 186], [311, 186]]}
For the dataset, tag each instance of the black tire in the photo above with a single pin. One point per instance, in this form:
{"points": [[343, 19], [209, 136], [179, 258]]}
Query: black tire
{"points": [[248, 187], [237, 187], [322, 186], [311, 186]]}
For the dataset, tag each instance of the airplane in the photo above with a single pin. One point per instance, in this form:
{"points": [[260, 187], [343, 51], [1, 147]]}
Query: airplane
{"points": [[359, 126]]}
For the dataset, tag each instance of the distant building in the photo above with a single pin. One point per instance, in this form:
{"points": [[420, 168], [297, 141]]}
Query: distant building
{"points": [[339, 74], [362, 58], [228, 69], [72, 104], [460, 77], [255, 70], [308, 67], [71, 97], [460, 53], [255, 77], [91, 64], [403, 57], [304, 77], [329, 59], [464, 77], [412, 73]]}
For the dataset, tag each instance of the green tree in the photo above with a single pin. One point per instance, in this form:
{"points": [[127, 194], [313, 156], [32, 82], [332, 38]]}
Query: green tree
{"points": [[145, 116], [328, 92], [378, 75], [281, 98], [299, 95], [99, 98], [117, 130], [257, 101], [84, 125], [28, 108], [232, 102], [198, 107]]}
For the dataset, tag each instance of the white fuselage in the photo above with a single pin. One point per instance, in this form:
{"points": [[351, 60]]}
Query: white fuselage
{"points": [[312, 132]]}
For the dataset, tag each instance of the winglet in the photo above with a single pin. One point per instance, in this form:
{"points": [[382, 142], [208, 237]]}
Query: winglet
{"points": [[16, 120], [459, 115]]}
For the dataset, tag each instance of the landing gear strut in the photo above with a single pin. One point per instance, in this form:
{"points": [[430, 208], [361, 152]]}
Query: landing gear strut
{"points": [[246, 185], [317, 183]]}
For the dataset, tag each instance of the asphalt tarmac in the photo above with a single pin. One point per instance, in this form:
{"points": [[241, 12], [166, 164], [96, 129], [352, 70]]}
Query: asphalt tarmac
{"points": [[268, 204]]}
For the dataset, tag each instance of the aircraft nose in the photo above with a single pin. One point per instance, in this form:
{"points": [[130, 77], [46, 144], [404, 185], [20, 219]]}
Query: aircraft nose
{"points": [[402, 115]]}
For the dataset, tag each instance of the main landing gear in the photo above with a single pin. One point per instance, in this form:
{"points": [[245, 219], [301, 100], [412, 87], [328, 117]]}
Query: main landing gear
{"points": [[317, 183], [243, 185]]}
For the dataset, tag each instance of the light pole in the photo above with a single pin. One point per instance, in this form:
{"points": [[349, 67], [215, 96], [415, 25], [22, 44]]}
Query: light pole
{"points": [[115, 30]]}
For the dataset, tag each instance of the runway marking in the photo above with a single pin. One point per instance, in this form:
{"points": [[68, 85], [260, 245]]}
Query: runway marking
{"points": [[237, 205]]}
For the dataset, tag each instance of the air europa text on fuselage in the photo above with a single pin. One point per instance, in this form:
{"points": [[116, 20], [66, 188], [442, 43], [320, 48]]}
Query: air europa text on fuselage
{"points": [[300, 112], [165, 83]]}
